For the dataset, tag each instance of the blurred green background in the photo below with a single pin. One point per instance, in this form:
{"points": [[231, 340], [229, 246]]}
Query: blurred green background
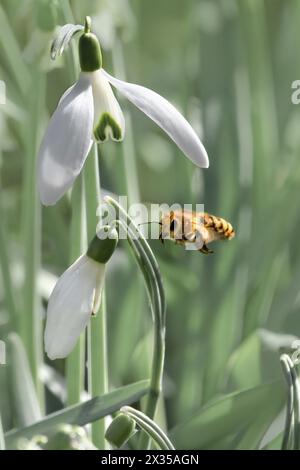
{"points": [[228, 65]]}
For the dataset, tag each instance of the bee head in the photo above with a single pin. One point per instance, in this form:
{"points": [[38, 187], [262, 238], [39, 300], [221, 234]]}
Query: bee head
{"points": [[173, 223], [170, 226]]}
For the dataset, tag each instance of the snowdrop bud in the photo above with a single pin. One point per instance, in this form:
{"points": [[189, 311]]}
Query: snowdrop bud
{"points": [[120, 430], [90, 56], [103, 244]]}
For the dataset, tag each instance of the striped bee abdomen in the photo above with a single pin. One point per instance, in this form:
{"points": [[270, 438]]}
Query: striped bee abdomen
{"points": [[219, 225]]}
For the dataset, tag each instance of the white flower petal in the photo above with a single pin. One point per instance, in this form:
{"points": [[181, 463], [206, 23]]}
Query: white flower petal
{"points": [[66, 142], [71, 305], [65, 94], [166, 116], [108, 119]]}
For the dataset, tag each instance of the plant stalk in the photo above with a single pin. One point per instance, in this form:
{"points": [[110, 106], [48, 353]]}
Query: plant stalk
{"points": [[97, 344]]}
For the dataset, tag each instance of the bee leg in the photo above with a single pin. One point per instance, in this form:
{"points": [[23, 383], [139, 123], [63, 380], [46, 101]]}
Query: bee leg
{"points": [[161, 238], [205, 250]]}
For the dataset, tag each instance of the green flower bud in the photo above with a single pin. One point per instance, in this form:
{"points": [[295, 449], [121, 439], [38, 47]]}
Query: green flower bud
{"points": [[103, 244], [120, 430], [90, 55]]}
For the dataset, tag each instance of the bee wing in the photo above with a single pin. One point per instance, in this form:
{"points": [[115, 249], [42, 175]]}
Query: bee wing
{"points": [[190, 236], [194, 238]]}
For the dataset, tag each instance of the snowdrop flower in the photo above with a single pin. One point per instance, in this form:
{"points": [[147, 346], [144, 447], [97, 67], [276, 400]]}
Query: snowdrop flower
{"points": [[77, 295], [89, 111]]}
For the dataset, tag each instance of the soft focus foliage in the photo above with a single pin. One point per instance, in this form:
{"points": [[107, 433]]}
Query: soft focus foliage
{"points": [[229, 66]]}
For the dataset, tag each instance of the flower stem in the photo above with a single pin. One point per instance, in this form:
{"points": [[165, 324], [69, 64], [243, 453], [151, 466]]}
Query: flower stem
{"points": [[75, 361], [289, 419], [150, 427], [87, 24], [148, 265], [97, 367], [291, 436], [157, 358], [97, 350]]}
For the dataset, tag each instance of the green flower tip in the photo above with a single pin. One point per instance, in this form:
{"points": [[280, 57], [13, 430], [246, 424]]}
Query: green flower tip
{"points": [[103, 244], [120, 430], [90, 56], [107, 125]]}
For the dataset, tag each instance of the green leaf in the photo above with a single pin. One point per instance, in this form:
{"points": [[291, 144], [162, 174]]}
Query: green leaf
{"points": [[31, 320], [83, 413], [222, 337], [75, 363], [125, 315], [274, 444], [230, 414], [26, 402], [245, 363], [13, 54], [5, 270], [253, 434]]}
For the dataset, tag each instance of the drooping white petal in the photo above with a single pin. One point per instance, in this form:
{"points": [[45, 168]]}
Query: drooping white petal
{"points": [[65, 94], [71, 305], [66, 142], [166, 116], [108, 119]]}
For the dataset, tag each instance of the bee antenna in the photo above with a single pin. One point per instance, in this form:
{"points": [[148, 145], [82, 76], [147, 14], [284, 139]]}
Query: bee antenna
{"points": [[151, 222]]}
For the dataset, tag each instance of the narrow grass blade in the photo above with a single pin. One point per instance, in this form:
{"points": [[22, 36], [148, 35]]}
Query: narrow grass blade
{"points": [[30, 319], [13, 54], [83, 413], [6, 276], [25, 399], [75, 361]]}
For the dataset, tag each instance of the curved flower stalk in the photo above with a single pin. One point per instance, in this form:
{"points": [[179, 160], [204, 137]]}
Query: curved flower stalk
{"points": [[77, 295], [89, 111], [149, 267], [291, 435], [149, 426]]}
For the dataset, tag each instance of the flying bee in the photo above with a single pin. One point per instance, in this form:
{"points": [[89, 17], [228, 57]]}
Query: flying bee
{"points": [[194, 230]]}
